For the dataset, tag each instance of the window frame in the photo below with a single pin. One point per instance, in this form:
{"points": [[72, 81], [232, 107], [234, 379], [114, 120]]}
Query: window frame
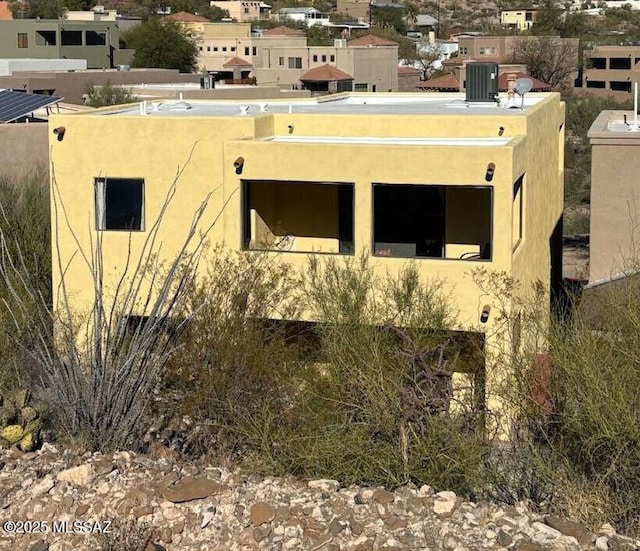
{"points": [[444, 187], [100, 204], [346, 192], [517, 234]]}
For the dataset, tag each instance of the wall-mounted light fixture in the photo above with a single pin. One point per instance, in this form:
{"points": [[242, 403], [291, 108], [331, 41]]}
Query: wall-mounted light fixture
{"points": [[491, 168], [238, 164], [59, 132], [501, 131], [484, 316], [290, 128]]}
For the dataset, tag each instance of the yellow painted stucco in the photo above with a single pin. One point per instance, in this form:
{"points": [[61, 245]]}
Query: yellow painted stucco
{"points": [[130, 145]]}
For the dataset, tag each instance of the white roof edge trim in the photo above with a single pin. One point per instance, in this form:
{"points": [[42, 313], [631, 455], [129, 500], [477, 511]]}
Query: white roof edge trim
{"points": [[486, 142]]}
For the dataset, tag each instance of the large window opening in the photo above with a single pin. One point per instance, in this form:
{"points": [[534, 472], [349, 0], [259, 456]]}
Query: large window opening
{"points": [[23, 40], [597, 63], [46, 38], [119, 204], [623, 86], [71, 38], [95, 38], [432, 221], [620, 63], [298, 216]]}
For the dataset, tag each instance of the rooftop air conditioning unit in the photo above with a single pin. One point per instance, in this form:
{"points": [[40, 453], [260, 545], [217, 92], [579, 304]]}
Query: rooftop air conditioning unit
{"points": [[482, 82]]}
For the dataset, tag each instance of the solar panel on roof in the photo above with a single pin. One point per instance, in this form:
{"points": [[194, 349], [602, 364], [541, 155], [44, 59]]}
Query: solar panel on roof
{"points": [[15, 105]]}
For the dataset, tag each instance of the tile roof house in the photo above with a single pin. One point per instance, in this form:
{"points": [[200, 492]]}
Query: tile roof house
{"points": [[445, 83], [240, 67], [326, 78], [449, 83], [371, 40], [371, 61]]}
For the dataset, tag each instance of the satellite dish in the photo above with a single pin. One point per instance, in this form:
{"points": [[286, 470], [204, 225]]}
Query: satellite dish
{"points": [[522, 86]]}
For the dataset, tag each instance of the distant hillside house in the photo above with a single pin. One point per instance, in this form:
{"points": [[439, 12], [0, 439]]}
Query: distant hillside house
{"points": [[97, 42], [519, 20], [309, 16], [242, 11]]}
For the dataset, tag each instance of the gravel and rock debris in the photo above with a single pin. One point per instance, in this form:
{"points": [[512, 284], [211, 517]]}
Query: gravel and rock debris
{"points": [[69, 500]]}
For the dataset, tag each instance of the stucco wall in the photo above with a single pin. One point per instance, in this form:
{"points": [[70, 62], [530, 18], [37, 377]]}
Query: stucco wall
{"points": [[163, 144], [615, 199], [72, 86], [23, 147]]}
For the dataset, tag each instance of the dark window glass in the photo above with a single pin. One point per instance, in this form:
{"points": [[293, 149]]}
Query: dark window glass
{"points": [[120, 204]]}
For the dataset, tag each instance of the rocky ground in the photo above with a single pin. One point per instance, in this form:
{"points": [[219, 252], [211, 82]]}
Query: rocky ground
{"points": [[70, 501]]}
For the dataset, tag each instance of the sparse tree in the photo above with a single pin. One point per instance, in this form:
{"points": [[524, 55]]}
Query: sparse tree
{"points": [[387, 17], [411, 12], [427, 54], [549, 59], [554, 18], [199, 7], [162, 43]]}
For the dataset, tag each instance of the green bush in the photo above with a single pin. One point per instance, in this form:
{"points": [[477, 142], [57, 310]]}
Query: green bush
{"points": [[575, 450], [108, 94], [596, 386], [234, 371], [348, 398], [24, 214]]}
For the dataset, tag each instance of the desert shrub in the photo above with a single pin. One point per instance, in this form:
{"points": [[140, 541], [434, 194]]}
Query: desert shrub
{"points": [[234, 372], [97, 371], [24, 214], [107, 94], [125, 536], [575, 450], [378, 406], [596, 385], [364, 396]]}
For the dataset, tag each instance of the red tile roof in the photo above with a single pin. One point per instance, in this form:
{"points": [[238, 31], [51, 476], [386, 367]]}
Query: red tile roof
{"points": [[371, 40], [503, 82], [282, 31], [445, 82], [409, 71], [325, 73], [237, 62], [5, 12], [449, 82], [186, 17]]}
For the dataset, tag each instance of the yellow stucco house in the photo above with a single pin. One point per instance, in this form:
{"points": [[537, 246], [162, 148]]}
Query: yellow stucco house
{"points": [[451, 184]]}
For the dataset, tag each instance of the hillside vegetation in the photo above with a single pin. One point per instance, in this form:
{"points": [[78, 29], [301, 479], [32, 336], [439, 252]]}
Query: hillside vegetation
{"points": [[364, 397]]}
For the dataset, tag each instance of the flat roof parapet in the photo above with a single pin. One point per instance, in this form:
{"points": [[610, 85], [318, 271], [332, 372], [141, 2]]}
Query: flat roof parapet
{"points": [[347, 104]]}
